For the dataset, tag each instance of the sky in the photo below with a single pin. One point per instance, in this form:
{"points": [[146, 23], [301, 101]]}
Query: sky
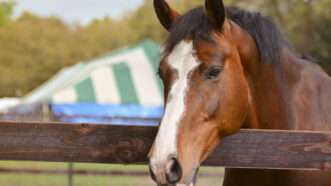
{"points": [[76, 11]]}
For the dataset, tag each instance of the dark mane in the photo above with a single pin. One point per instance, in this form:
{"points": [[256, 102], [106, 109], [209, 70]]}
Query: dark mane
{"points": [[195, 25]]}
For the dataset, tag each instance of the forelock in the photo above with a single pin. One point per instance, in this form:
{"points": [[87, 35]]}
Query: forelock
{"points": [[194, 25]]}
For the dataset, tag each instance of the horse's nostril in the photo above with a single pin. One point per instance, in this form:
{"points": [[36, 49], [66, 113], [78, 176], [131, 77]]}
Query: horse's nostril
{"points": [[173, 171]]}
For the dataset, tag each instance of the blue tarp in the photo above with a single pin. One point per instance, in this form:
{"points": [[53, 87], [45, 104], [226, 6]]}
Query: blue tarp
{"points": [[108, 114]]}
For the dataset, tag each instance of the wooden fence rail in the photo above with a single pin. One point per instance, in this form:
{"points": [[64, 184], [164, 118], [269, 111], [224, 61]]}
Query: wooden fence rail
{"points": [[61, 142]]}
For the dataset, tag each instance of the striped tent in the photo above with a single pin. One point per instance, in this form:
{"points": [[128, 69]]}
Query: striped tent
{"points": [[127, 76]]}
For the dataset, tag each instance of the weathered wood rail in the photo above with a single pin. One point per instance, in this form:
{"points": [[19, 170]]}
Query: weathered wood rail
{"points": [[61, 142]]}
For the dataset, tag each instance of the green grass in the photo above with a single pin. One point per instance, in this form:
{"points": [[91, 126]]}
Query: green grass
{"points": [[50, 180]]}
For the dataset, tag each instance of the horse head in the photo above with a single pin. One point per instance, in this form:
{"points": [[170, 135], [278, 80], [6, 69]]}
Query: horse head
{"points": [[206, 92]]}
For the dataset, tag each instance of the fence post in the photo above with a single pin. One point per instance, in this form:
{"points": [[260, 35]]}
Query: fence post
{"points": [[70, 174]]}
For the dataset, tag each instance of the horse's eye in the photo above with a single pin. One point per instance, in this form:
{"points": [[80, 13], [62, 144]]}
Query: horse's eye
{"points": [[213, 72]]}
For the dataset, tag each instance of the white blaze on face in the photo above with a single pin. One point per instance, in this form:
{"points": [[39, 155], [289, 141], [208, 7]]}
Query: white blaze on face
{"points": [[181, 60]]}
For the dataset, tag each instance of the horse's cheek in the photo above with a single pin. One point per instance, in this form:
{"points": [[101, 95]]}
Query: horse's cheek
{"points": [[232, 112]]}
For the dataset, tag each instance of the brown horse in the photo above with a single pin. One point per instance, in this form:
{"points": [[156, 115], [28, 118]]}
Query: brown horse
{"points": [[225, 69]]}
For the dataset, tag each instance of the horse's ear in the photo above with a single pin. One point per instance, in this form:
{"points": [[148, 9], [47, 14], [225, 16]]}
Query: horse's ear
{"points": [[167, 16], [215, 10]]}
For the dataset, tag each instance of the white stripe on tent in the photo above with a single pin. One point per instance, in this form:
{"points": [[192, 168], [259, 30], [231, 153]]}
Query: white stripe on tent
{"points": [[105, 85], [144, 79], [65, 96]]}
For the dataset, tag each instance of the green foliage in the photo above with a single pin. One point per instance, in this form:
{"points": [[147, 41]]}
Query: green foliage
{"points": [[32, 49], [6, 9]]}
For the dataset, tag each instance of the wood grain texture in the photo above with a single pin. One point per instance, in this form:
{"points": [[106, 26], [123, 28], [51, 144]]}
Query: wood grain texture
{"points": [[59, 142]]}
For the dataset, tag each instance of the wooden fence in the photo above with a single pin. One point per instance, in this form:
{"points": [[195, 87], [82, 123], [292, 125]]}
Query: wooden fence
{"points": [[64, 142]]}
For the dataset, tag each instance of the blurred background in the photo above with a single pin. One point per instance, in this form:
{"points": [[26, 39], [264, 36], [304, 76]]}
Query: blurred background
{"points": [[38, 38], [59, 59]]}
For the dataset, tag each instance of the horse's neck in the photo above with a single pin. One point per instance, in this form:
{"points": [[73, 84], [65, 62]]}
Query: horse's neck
{"points": [[268, 107], [292, 94], [267, 104]]}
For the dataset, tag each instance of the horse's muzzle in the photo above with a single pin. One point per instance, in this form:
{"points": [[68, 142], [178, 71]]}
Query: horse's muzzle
{"points": [[166, 173]]}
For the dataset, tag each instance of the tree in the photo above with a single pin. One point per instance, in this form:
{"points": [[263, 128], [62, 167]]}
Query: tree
{"points": [[6, 10], [32, 49]]}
